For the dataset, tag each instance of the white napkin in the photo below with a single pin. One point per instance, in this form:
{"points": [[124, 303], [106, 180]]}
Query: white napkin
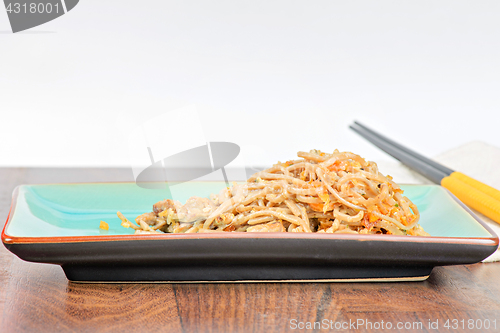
{"points": [[476, 159]]}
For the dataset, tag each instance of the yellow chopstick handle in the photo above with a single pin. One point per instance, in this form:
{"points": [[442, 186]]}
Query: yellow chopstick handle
{"points": [[492, 192], [473, 197]]}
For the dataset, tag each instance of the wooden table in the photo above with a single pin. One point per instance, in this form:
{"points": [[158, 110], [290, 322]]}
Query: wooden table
{"points": [[39, 298]]}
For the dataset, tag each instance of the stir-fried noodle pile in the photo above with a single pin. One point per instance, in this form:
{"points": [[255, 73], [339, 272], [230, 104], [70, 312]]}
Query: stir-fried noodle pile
{"points": [[331, 193]]}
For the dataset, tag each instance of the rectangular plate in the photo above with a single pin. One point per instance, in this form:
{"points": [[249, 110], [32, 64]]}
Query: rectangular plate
{"points": [[59, 224]]}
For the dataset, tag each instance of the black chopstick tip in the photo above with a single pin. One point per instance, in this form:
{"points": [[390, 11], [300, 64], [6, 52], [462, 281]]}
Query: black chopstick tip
{"points": [[355, 127]]}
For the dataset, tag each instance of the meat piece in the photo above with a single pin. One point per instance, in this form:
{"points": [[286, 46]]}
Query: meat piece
{"points": [[195, 209], [268, 227], [149, 218], [220, 198], [160, 206]]}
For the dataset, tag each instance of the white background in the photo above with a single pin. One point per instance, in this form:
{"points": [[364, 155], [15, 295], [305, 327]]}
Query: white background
{"points": [[280, 76]]}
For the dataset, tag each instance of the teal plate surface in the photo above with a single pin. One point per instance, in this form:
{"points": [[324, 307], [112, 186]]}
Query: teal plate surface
{"points": [[54, 223]]}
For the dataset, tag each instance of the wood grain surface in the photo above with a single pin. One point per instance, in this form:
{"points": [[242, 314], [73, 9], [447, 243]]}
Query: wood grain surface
{"points": [[39, 298]]}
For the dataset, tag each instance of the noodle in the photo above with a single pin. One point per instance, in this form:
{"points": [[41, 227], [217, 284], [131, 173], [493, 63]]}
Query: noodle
{"points": [[326, 193]]}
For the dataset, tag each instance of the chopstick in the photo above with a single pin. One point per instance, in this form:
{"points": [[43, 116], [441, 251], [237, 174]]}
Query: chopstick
{"points": [[428, 161], [473, 193]]}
